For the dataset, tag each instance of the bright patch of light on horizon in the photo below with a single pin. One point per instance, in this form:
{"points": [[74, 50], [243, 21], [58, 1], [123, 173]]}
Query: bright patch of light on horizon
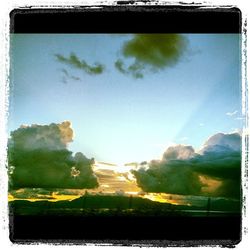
{"points": [[158, 197]]}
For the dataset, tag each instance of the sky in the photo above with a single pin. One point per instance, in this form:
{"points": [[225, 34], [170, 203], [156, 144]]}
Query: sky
{"points": [[119, 118]]}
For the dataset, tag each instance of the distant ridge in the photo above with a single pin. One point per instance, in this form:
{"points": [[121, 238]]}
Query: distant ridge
{"points": [[109, 203]]}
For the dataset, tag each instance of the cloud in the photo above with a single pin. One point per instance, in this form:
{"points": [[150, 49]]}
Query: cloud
{"points": [[178, 152], [47, 137], [77, 63], [170, 174], [222, 142], [152, 52], [232, 113], [67, 76], [215, 171], [38, 158], [134, 69], [110, 181]]}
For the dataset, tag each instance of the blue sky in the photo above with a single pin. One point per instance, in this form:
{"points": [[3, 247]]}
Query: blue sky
{"points": [[115, 117]]}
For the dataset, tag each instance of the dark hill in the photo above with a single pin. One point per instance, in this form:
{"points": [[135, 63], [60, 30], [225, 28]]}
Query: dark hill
{"points": [[108, 204], [90, 203]]}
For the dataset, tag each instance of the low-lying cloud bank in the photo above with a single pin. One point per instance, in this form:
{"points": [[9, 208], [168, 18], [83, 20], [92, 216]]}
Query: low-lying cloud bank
{"points": [[214, 171], [38, 158]]}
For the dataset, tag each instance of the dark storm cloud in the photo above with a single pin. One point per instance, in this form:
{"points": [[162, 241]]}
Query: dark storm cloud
{"points": [[151, 52], [216, 172], [77, 63], [38, 158]]}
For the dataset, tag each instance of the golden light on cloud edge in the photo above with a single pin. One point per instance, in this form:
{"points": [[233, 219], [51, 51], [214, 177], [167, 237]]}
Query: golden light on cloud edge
{"points": [[211, 184], [161, 198]]}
